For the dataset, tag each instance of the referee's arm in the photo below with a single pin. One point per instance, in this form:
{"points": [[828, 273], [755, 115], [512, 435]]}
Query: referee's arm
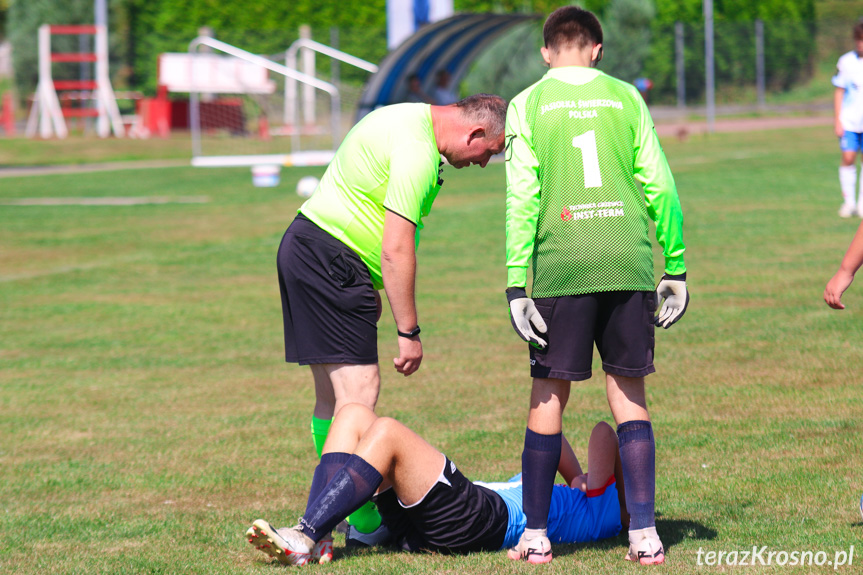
{"points": [[398, 267]]}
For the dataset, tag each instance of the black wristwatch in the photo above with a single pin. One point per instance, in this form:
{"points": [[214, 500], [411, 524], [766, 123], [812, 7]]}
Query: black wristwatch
{"points": [[412, 333]]}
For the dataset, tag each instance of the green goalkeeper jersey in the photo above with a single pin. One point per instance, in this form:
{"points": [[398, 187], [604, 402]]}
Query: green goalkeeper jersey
{"points": [[577, 141]]}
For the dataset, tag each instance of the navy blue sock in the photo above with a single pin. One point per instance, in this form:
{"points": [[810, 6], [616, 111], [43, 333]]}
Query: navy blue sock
{"points": [[330, 463], [351, 486], [638, 456], [539, 462]]}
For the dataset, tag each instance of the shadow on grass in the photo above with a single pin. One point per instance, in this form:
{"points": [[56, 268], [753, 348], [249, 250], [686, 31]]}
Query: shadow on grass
{"points": [[671, 531]]}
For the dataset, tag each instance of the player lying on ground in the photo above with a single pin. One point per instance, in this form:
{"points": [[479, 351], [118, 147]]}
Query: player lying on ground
{"points": [[428, 505]]}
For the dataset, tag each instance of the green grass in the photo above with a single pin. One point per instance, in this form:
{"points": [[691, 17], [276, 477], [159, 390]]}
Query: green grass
{"points": [[147, 418]]}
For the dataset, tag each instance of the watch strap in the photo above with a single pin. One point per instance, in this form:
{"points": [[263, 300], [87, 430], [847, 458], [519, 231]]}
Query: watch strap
{"points": [[412, 333]]}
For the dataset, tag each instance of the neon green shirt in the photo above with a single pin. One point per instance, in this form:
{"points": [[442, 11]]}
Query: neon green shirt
{"points": [[577, 141], [388, 161]]}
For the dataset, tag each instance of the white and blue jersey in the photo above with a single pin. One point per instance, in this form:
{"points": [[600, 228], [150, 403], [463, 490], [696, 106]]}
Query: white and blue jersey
{"points": [[849, 77], [572, 517]]}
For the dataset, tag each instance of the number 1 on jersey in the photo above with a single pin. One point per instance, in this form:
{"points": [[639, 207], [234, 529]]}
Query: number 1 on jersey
{"points": [[589, 158]]}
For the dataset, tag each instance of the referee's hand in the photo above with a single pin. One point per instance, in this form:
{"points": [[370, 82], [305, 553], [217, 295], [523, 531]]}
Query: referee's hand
{"points": [[524, 317], [410, 355]]}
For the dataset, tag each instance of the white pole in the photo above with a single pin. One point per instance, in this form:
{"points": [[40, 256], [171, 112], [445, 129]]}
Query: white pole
{"points": [[100, 9], [103, 125], [709, 72], [292, 110], [292, 114], [308, 63], [51, 115], [42, 96], [100, 18], [109, 112]]}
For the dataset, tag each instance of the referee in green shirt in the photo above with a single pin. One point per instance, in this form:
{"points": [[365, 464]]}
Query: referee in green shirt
{"points": [[577, 142], [358, 234]]}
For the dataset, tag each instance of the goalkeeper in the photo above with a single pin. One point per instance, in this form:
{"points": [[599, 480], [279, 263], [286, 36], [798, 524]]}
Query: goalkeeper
{"points": [[577, 142]]}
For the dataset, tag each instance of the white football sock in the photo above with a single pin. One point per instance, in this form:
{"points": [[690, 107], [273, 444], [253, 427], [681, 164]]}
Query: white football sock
{"points": [[847, 181], [637, 535], [531, 534]]}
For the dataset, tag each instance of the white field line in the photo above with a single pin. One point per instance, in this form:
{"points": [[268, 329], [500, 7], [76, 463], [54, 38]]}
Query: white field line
{"points": [[106, 201], [24, 171], [75, 268], [717, 158]]}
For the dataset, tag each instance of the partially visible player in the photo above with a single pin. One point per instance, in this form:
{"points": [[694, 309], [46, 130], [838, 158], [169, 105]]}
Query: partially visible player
{"points": [[578, 141], [845, 275], [848, 122], [429, 505]]}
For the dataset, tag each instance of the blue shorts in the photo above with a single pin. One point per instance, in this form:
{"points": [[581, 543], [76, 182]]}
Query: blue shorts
{"points": [[851, 142]]}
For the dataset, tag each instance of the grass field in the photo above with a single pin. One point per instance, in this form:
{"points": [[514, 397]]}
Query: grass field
{"points": [[146, 415]]}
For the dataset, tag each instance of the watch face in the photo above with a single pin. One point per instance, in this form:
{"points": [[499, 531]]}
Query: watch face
{"points": [[412, 333]]}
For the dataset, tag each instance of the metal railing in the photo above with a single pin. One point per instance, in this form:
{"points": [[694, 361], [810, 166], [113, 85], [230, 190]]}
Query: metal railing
{"points": [[292, 109], [289, 73]]}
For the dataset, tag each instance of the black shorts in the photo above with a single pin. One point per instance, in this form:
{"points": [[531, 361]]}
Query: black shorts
{"points": [[620, 322], [455, 516], [328, 302]]}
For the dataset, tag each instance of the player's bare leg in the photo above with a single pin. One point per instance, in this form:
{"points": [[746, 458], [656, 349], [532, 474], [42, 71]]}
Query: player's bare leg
{"points": [[348, 428], [548, 398], [338, 384], [325, 397], [404, 459], [627, 399], [603, 461], [602, 455]]}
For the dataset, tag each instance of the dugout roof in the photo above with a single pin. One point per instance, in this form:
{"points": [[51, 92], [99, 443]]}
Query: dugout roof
{"points": [[451, 44]]}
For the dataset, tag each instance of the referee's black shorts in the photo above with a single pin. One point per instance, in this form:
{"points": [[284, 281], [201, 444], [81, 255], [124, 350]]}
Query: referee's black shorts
{"points": [[455, 516], [619, 322], [328, 302]]}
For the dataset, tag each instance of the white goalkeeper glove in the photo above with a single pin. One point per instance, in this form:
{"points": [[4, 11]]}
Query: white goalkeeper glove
{"points": [[673, 289], [522, 313]]}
